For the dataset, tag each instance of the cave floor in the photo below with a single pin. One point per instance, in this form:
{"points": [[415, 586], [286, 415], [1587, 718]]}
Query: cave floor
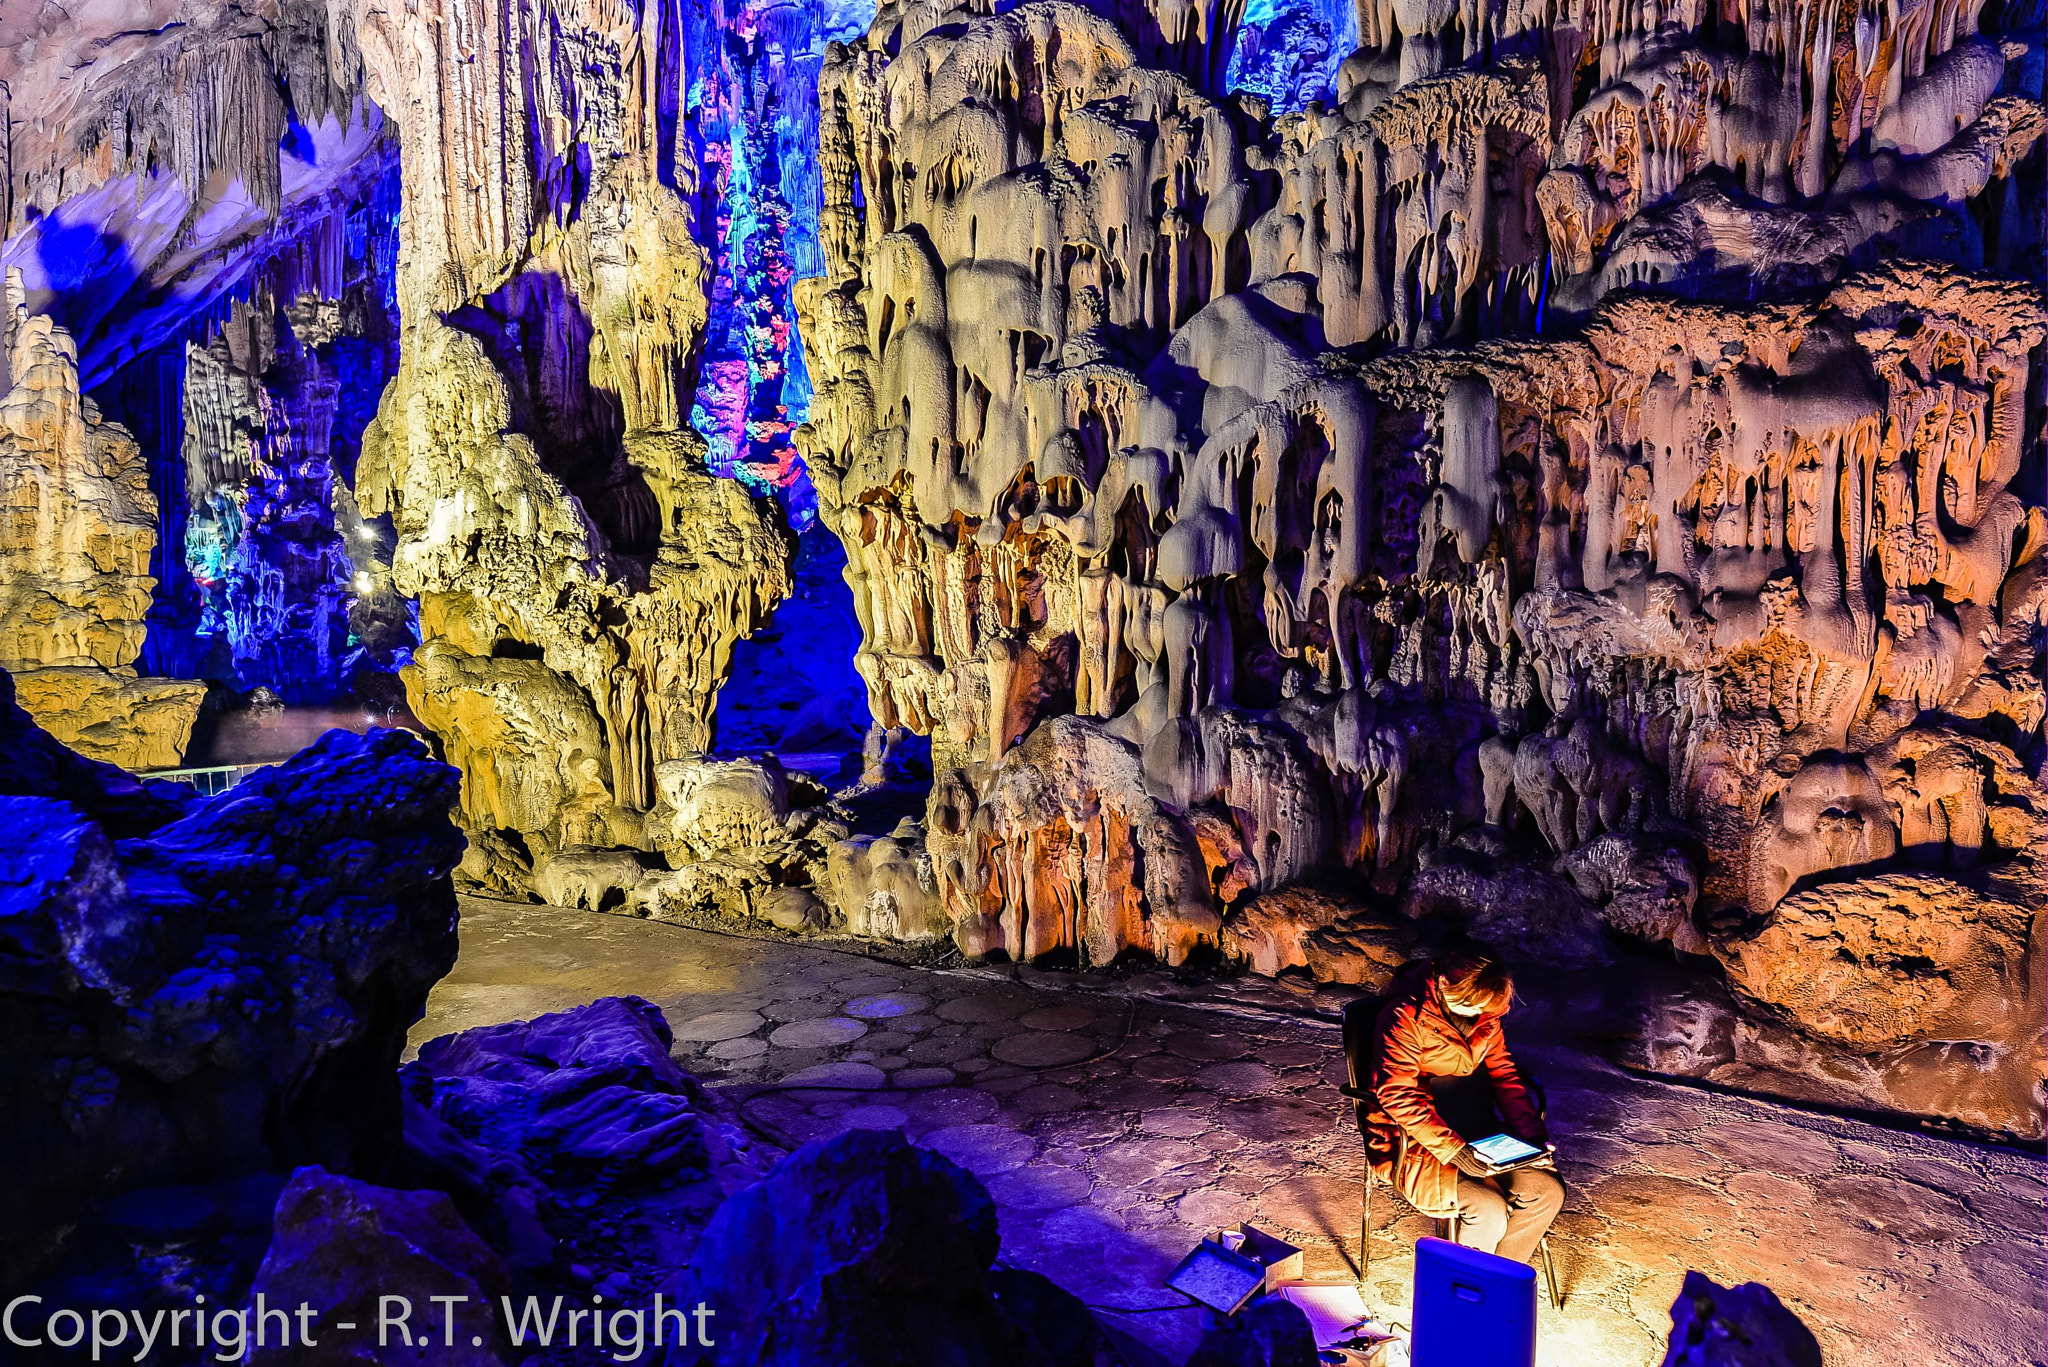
{"points": [[1892, 1246]]}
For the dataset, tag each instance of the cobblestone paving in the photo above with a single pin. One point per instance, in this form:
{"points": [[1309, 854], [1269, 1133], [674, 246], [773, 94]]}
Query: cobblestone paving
{"points": [[1114, 1130]]}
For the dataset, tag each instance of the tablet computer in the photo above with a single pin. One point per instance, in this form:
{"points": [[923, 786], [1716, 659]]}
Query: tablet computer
{"points": [[1506, 1152]]}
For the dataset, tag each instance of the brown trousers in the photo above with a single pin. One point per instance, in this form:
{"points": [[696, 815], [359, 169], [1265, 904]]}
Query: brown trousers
{"points": [[1509, 1214]]}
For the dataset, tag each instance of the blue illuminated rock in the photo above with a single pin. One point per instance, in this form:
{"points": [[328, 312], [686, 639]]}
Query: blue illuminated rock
{"points": [[864, 1250], [200, 990], [588, 1097], [1736, 1326]]}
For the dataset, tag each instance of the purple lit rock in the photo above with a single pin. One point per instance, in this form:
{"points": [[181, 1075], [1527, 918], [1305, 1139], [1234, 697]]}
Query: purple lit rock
{"points": [[1736, 1326], [583, 1096], [220, 992], [863, 1250]]}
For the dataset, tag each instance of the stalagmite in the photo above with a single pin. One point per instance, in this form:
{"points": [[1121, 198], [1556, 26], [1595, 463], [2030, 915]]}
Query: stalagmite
{"points": [[581, 577]]}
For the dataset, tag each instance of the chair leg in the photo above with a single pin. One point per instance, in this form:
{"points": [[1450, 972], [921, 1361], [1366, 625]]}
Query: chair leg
{"points": [[1550, 1274], [1365, 1230]]}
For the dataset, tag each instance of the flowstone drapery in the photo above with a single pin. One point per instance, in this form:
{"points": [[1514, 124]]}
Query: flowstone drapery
{"points": [[1192, 513], [581, 578], [1319, 484]]}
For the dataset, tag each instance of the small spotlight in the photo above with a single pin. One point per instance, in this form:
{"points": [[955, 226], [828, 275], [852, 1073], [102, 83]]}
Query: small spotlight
{"points": [[363, 584]]}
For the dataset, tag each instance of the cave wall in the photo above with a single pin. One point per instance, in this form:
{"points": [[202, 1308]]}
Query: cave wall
{"points": [[1314, 480], [182, 195], [1245, 503]]}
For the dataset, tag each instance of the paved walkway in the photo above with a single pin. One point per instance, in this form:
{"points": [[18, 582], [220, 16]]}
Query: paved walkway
{"points": [[1115, 1131]]}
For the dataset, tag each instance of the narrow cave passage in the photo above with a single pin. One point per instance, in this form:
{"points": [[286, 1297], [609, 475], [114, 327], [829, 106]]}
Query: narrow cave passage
{"points": [[793, 690]]}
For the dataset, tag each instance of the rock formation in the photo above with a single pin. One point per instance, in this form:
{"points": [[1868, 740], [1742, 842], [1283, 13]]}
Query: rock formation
{"points": [[581, 578], [1323, 481], [865, 1249], [1200, 507], [75, 560], [583, 1097], [162, 151], [288, 588], [1736, 1326], [183, 179], [198, 990], [333, 1237]]}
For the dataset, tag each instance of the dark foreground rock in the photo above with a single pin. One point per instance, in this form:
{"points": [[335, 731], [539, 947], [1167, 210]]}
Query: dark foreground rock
{"points": [[192, 991], [864, 1250], [1272, 1333], [340, 1245], [585, 1097], [1736, 1326]]}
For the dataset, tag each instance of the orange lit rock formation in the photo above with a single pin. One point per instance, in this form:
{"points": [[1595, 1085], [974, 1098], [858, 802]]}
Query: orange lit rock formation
{"points": [[1241, 502], [75, 582]]}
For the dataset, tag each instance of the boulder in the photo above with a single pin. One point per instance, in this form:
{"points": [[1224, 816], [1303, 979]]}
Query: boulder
{"points": [[1736, 1326], [788, 908], [715, 807], [599, 880], [1272, 929], [588, 1097], [1055, 1317], [112, 715], [863, 1250], [339, 1246], [1883, 960], [197, 989], [1362, 951], [497, 1196], [1267, 1333]]}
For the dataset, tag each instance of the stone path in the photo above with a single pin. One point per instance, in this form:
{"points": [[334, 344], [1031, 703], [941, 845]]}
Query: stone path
{"points": [[1114, 1131]]}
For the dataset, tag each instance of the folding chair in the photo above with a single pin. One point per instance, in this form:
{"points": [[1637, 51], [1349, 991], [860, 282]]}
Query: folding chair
{"points": [[1359, 1020]]}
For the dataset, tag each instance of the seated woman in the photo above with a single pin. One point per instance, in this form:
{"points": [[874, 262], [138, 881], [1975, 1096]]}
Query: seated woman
{"points": [[1439, 1068]]}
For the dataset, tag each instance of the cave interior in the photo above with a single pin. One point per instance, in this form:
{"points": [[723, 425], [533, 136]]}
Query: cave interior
{"points": [[619, 683]]}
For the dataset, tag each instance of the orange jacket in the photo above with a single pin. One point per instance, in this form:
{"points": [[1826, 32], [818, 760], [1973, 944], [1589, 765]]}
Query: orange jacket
{"points": [[1416, 1038]]}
